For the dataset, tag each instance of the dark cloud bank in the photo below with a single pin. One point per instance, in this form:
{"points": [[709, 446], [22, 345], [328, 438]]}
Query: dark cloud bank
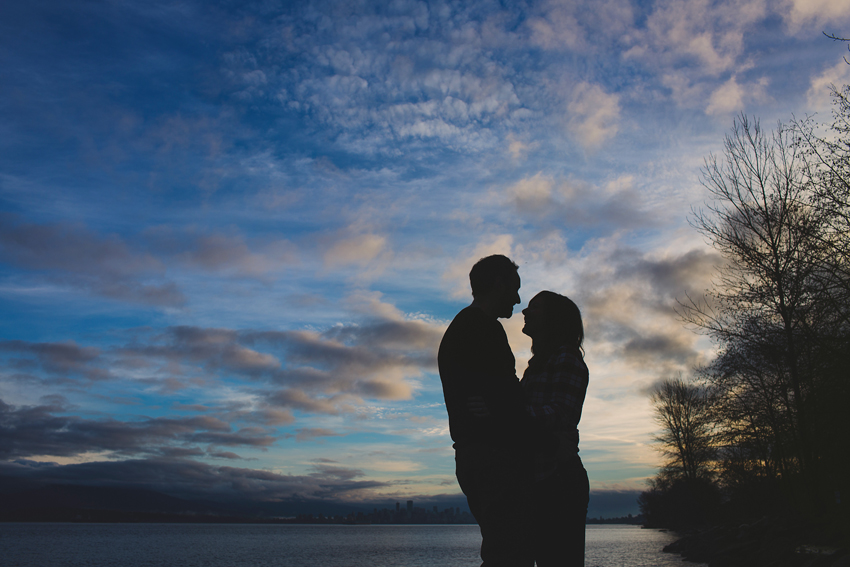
{"points": [[182, 485]]}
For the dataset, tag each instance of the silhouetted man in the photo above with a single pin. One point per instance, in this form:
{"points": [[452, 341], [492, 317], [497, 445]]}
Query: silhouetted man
{"points": [[475, 362]]}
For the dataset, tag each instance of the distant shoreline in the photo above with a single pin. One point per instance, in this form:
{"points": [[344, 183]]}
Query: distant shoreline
{"points": [[81, 516]]}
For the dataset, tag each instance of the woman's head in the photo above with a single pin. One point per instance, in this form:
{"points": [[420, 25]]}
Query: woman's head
{"points": [[553, 320]]}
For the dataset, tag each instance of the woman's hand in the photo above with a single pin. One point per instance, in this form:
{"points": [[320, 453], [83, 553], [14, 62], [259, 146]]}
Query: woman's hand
{"points": [[477, 406]]}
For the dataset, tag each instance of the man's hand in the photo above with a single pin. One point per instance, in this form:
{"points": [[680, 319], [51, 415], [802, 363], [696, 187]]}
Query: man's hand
{"points": [[477, 406]]}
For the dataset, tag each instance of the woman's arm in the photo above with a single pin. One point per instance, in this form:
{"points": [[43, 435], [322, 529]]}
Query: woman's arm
{"points": [[556, 394]]}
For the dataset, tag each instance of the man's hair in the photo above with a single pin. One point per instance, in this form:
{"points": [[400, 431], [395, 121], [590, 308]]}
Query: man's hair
{"points": [[489, 271]]}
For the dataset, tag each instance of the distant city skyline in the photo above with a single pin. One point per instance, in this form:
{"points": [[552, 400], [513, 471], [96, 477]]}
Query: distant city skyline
{"points": [[31, 501], [232, 235]]}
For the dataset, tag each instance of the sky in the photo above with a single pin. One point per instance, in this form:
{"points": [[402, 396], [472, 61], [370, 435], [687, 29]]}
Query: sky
{"points": [[233, 233]]}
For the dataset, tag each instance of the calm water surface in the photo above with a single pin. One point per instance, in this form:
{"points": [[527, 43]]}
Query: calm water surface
{"points": [[216, 545]]}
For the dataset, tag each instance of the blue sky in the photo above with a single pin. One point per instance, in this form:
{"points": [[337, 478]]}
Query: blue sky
{"points": [[232, 233]]}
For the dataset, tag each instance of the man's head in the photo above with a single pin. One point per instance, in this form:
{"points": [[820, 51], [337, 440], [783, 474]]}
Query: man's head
{"points": [[495, 281]]}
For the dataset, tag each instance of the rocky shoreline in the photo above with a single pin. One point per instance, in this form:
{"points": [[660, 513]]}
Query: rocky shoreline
{"points": [[767, 542]]}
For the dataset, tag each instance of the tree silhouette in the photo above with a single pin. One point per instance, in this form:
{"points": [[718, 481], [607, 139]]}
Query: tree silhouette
{"points": [[684, 412], [764, 420]]}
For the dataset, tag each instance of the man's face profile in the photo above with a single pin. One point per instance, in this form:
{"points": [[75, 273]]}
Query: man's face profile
{"points": [[507, 295]]}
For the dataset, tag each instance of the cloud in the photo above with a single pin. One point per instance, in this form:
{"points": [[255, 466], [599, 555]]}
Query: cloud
{"points": [[662, 344], [383, 82], [300, 400], [225, 455], [103, 265], [819, 95], [325, 372], [269, 374], [330, 372], [593, 115], [547, 203], [386, 327], [306, 347], [70, 248], [629, 299], [270, 416], [532, 195], [700, 32], [568, 26], [311, 433], [228, 254], [519, 149], [193, 479], [559, 30], [137, 270], [727, 98], [339, 473], [325, 365], [689, 45], [29, 431], [803, 15], [356, 250], [215, 349], [321, 373], [731, 97], [685, 93], [61, 361], [670, 276]]}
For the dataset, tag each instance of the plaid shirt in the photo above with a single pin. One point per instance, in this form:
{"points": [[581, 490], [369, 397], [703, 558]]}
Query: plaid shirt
{"points": [[554, 396]]}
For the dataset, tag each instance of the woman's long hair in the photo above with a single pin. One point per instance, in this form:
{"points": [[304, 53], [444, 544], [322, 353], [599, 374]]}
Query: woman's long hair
{"points": [[564, 328]]}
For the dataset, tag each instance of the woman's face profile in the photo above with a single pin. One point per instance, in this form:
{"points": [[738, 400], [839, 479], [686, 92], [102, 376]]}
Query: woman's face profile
{"points": [[536, 316]]}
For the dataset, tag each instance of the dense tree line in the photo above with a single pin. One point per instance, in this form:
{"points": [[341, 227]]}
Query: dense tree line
{"points": [[762, 428]]}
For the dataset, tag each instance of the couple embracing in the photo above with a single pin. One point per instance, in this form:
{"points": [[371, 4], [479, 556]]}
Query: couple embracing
{"points": [[516, 442]]}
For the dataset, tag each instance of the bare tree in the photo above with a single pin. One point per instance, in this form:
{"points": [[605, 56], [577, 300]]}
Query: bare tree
{"points": [[767, 415], [763, 299], [827, 170], [753, 409], [684, 412]]}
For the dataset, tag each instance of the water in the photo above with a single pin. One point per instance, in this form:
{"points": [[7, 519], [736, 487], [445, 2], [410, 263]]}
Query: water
{"points": [[217, 545]]}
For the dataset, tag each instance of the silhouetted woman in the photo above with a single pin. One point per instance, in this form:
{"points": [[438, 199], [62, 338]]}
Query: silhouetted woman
{"points": [[555, 384]]}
